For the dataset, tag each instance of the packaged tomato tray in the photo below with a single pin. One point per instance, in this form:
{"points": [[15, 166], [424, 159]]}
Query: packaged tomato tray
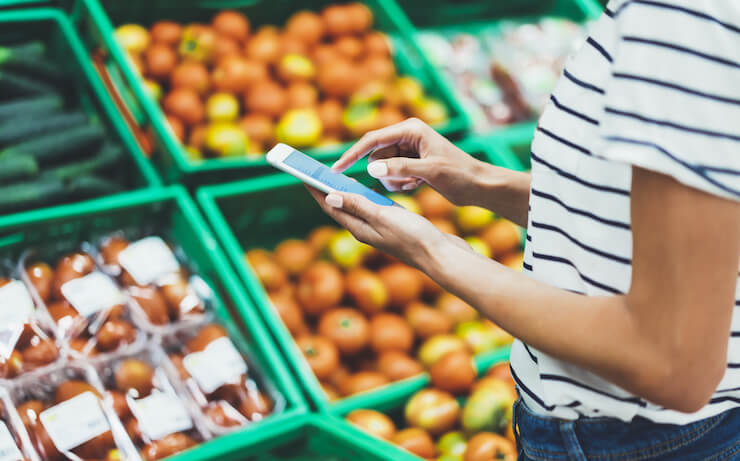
{"points": [[14, 442], [155, 275], [63, 412], [89, 311], [159, 420], [26, 337], [216, 373]]}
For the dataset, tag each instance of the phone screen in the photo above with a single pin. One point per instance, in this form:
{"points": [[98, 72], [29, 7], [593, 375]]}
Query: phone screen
{"points": [[336, 181]]}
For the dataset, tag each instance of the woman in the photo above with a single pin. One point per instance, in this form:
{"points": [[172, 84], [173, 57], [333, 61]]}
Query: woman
{"points": [[628, 343]]}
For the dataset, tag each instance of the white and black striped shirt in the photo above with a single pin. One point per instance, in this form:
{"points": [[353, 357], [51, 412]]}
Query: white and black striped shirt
{"points": [[656, 85]]}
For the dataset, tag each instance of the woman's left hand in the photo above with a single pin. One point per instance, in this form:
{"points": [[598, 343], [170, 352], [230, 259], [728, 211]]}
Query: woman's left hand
{"points": [[391, 229]]}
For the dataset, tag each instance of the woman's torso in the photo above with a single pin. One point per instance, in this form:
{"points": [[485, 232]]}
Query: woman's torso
{"points": [[579, 239]]}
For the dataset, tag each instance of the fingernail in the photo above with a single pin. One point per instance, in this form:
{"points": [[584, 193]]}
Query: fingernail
{"points": [[408, 186], [377, 169], [334, 200]]}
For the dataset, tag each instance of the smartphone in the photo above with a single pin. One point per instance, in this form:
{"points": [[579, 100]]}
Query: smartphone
{"points": [[318, 175]]}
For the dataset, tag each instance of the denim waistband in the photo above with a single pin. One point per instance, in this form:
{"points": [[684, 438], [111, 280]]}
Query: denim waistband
{"points": [[602, 439]]}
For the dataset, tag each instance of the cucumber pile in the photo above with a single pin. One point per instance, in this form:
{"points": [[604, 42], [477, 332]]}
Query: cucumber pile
{"points": [[50, 151]]}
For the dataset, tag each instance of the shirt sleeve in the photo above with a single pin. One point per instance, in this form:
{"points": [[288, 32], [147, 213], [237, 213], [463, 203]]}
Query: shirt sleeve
{"points": [[672, 104]]}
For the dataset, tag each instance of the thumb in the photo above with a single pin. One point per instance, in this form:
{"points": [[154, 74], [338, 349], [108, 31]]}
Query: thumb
{"points": [[401, 167], [354, 204]]}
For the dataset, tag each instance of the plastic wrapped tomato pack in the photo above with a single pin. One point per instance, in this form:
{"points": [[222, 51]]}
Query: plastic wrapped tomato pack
{"points": [[14, 442], [155, 275], [159, 420], [26, 338], [89, 311], [217, 376], [66, 419]]}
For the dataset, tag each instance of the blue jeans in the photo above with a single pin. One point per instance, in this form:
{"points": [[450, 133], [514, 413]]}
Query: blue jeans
{"points": [[602, 439]]}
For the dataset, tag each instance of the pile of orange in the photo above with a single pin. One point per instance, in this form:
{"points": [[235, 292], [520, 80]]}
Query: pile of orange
{"points": [[435, 425], [230, 89], [363, 319]]}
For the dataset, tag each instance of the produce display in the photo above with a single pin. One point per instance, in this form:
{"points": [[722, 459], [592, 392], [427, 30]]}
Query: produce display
{"points": [[63, 413], [230, 87], [156, 419], [14, 442], [459, 418], [363, 319], [88, 310], [51, 150], [26, 343], [160, 297], [110, 350], [503, 73], [229, 397]]}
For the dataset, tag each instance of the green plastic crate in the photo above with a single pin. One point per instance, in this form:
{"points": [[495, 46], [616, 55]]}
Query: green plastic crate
{"points": [[316, 437], [23, 3], [64, 46], [97, 20], [172, 214], [393, 405], [474, 15], [264, 211]]}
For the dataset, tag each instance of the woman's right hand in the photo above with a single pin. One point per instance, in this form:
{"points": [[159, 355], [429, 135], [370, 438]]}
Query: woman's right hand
{"points": [[409, 153]]}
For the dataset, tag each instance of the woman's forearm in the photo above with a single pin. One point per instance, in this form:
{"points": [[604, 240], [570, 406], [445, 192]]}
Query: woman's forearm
{"points": [[605, 335], [501, 190]]}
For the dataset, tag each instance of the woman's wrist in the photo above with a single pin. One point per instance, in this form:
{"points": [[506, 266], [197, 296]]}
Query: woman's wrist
{"points": [[437, 256], [501, 190]]}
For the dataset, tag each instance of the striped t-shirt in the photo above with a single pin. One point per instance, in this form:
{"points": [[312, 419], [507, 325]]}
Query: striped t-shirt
{"points": [[656, 85]]}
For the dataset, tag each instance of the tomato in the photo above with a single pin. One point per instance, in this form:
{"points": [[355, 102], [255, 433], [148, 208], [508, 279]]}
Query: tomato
{"points": [[433, 410], [427, 321], [289, 312], [404, 283], [320, 353], [500, 371], [362, 381], [320, 288], [373, 422], [416, 441], [398, 365], [454, 372], [347, 328], [390, 332], [487, 446]]}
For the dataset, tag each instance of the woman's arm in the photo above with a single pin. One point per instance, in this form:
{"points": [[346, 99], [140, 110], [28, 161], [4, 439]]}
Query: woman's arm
{"points": [[665, 340], [408, 153]]}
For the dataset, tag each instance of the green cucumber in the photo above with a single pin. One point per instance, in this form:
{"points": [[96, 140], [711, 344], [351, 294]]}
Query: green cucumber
{"points": [[56, 146], [13, 85], [35, 48], [48, 103], [27, 61], [33, 193], [92, 186], [24, 128], [17, 168], [108, 156]]}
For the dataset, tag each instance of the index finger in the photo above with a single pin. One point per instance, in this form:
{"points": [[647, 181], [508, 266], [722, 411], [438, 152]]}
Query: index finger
{"points": [[370, 141]]}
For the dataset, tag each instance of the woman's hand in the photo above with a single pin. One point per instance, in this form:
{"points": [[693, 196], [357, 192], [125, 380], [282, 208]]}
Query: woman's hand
{"points": [[391, 229], [409, 153]]}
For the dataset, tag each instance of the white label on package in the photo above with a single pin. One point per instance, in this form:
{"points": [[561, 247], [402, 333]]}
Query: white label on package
{"points": [[218, 364], [16, 308], [8, 449], [92, 293], [16, 305], [161, 414], [148, 260], [74, 421]]}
